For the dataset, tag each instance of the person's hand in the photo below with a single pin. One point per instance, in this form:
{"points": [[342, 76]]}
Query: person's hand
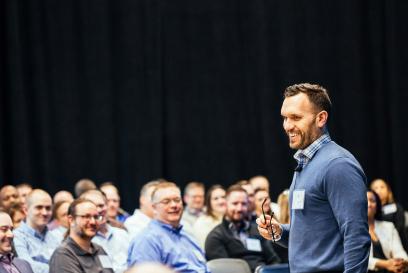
{"points": [[395, 265], [265, 229]]}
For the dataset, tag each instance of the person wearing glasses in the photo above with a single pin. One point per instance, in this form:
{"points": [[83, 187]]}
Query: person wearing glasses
{"points": [[164, 239], [115, 241], [32, 239], [328, 228], [8, 261], [77, 253], [236, 237]]}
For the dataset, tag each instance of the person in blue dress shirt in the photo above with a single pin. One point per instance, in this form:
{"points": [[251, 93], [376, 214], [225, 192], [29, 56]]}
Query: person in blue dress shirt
{"points": [[164, 240]]}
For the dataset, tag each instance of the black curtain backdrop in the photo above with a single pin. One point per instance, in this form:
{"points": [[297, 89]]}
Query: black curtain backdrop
{"points": [[133, 90]]}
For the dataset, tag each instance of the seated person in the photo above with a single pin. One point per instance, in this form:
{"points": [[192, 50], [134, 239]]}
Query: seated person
{"points": [[259, 197], [391, 211], [33, 241], [60, 215], [77, 253], [164, 240], [8, 262], [215, 209], [8, 196], [236, 237], [114, 212], [17, 214], [387, 253]]}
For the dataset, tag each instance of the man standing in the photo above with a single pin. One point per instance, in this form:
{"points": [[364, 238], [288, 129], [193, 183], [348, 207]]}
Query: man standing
{"points": [[9, 263], [164, 240], [33, 241], [78, 254], [328, 228], [115, 241], [142, 216], [236, 237]]}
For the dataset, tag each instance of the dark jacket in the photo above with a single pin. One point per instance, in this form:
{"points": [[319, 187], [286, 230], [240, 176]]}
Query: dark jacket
{"points": [[221, 243]]}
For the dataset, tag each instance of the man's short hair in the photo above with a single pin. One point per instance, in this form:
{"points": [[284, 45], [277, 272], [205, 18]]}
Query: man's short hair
{"points": [[317, 95], [147, 186], [242, 182], [32, 195], [84, 185], [235, 188], [109, 184], [163, 185], [94, 192], [193, 185]]}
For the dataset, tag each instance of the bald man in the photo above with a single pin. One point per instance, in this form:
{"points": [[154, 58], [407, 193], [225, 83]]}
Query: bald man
{"points": [[32, 241]]}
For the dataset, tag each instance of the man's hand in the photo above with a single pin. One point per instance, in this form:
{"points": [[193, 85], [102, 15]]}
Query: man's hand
{"points": [[265, 228]]}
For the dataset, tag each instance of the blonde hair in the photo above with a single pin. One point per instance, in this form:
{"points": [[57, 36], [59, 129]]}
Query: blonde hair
{"points": [[283, 202]]}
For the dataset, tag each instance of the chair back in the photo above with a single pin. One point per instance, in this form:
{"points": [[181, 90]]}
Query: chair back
{"points": [[228, 265], [273, 268]]}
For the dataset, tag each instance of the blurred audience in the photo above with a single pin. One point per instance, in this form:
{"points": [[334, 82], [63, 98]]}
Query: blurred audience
{"points": [[283, 203], [194, 200], [236, 237], [259, 197], [386, 253], [33, 242], [78, 253], [391, 211], [8, 196], [164, 239], [142, 216], [247, 186], [17, 214], [215, 205], [115, 212], [8, 262], [63, 196], [83, 185], [60, 219], [115, 241], [24, 189]]}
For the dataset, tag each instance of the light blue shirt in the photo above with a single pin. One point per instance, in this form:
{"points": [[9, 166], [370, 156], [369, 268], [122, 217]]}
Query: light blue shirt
{"points": [[36, 248], [162, 243], [115, 243]]}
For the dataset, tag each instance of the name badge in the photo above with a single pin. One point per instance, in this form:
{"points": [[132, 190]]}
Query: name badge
{"points": [[298, 201], [105, 261], [253, 244], [388, 209]]}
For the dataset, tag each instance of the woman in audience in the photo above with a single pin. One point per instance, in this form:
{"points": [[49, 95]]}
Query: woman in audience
{"points": [[387, 253], [215, 209], [17, 214], [60, 216], [283, 203], [391, 211]]}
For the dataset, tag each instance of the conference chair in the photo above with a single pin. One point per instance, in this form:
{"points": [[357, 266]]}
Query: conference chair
{"points": [[274, 268], [228, 265]]}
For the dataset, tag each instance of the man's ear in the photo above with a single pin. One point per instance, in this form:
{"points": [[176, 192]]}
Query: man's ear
{"points": [[321, 118]]}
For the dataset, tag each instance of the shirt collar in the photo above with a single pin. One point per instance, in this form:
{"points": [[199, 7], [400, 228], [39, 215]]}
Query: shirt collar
{"points": [[308, 153], [243, 225], [176, 230], [6, 258], [34, 232]]}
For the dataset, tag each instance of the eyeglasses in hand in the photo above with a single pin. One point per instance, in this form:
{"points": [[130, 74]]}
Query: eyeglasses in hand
{"points": [[268, 223]]}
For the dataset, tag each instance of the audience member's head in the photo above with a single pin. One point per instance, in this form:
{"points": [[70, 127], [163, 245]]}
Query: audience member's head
{"points": [[112, 197], [39, 206], [194, 196], [24, 189], [63, 196], [374, 206], [83, 219], [383, 190], [145, 199], [260, 195], [149, 268], [259, 182], [251, 194], [60, 213], [167, 203], [6, 234], [283, 203], [237, 204], [84, 185], [8, 197], [99, 199], [215, 201], [17, 214]]}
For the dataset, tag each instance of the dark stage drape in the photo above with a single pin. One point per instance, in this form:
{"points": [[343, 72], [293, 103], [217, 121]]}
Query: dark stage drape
{"points": [[133, 90]]}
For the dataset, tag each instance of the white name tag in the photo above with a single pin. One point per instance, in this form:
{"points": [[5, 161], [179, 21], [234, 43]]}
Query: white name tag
{"points": [[253, 244], [105, 261], [298, 201], [388, 209]]}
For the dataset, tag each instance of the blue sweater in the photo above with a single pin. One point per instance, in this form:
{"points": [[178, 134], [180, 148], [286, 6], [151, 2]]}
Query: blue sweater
{"points": [[331, 231]]}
